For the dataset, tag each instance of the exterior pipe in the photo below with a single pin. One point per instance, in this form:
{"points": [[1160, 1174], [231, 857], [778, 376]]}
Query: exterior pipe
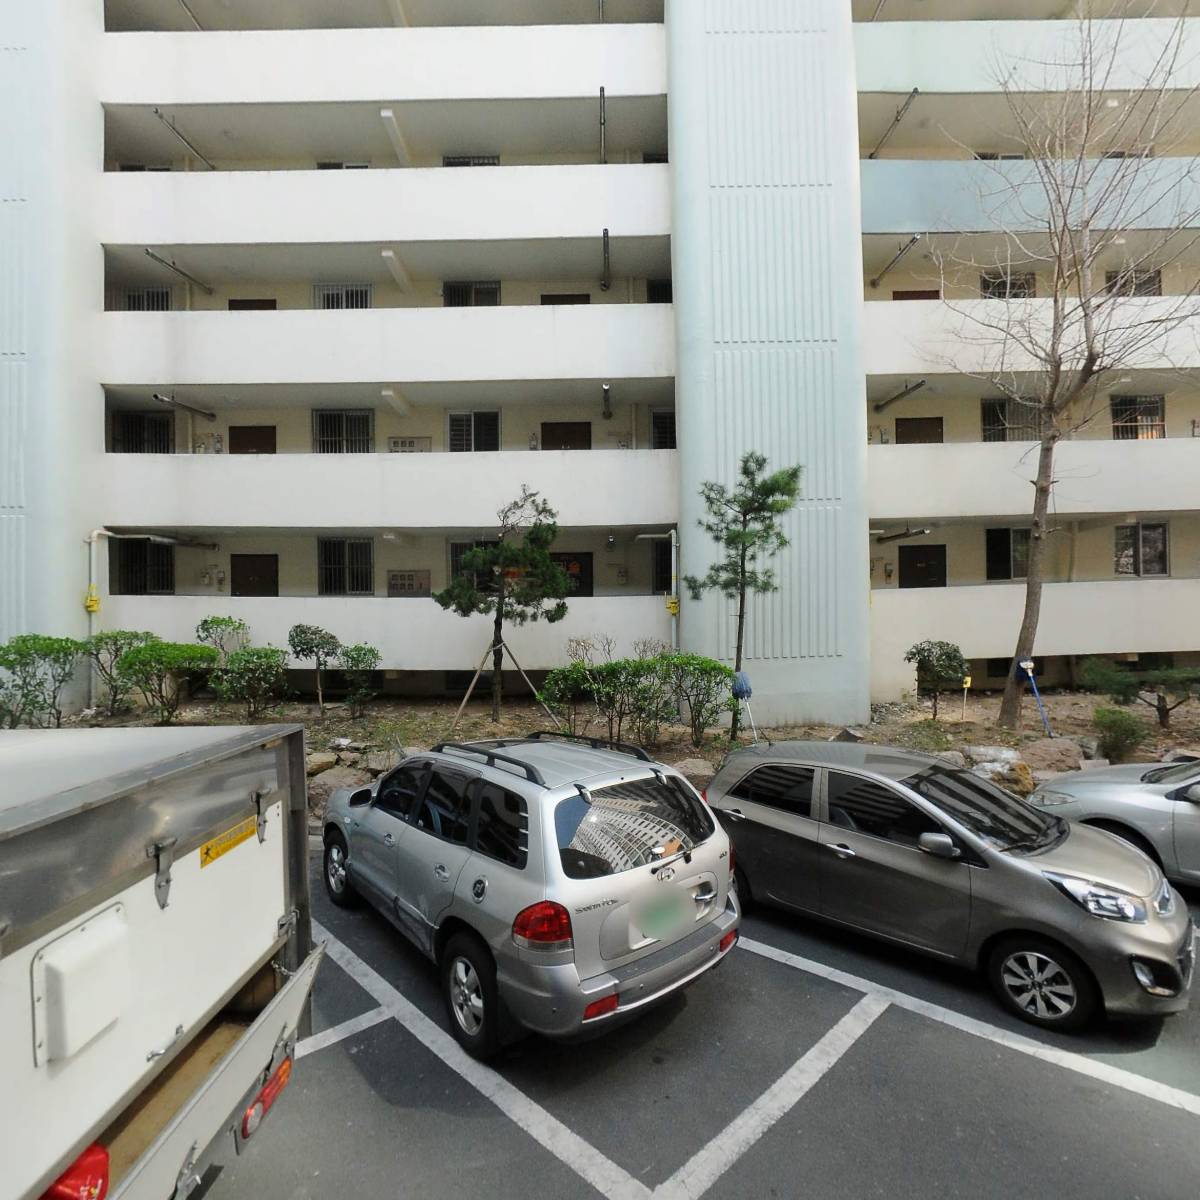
{"points": [[603, 128], [673, 536], [158, 112], [900, 114], [606, 276], [908, 391], [912, 241]]}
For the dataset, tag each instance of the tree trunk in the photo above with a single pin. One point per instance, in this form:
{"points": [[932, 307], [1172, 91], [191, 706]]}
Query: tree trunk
{"points": [[735, 723], [497, 658], [320, 696], [1010, 706], [1162, 706], [935, 704]]}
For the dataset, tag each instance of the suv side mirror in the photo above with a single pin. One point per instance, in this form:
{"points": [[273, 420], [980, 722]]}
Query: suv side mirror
{"points": [[361, 797], [940, 845]]}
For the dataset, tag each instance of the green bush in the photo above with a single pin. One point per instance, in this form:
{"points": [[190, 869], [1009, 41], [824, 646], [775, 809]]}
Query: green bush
{"points": [[104, 650], [940, 668], [157, 670], [1121, 733], [568, 694], [312, 643], [225, 634], [36, 669], [702, 688], [359, 663], [255, 676]]}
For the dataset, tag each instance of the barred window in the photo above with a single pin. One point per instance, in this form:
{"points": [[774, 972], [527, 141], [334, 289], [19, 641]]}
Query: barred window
{"points": [[1138, 418], [345, 567], [343, 431]]}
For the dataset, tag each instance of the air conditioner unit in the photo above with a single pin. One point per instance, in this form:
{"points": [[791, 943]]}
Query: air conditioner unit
{"points": [[410, 445]]}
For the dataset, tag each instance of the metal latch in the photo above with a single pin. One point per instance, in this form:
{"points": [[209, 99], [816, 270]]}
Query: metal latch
{"points": [[189, 1179], [164, 853], [258, 799], [286, 925]]}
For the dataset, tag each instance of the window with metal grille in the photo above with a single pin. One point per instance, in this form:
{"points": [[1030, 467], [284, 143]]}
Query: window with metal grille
{"points": [[457, 552], [471, 294], [469, 431], [1007, 553], [143, 568], [345, 567], [1137, 418], [1008, 285], [342, 295], [658, 291], [662, 429], [998, 155], [1133, 283], [343, 431], [148, 299], [143, 433], [661, 566], [470, 160], [1141, 550], [1009, 420], [143, 167]]}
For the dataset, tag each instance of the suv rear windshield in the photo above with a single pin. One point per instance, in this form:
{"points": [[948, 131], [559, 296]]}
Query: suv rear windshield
{"points": [[628, 825]]}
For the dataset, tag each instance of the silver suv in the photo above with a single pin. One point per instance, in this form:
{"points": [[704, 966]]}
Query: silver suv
{"points": [[559, 883]]}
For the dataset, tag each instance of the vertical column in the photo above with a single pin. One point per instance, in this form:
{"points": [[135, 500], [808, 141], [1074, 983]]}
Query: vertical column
{"points": [[767, 256]]}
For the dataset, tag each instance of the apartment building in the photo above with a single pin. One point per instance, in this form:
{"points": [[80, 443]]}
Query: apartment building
{"points": [[297, 294]]}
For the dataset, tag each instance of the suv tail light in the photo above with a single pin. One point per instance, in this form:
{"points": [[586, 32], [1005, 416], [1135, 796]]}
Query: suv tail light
{"points": [[261, 1104], [601, 1008], [85, 1179], [543, 926]]}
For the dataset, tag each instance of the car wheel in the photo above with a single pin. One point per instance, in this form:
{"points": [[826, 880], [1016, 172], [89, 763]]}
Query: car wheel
{"points": [[472, 999], [745, 895], [1043, 983], [337, 877]]}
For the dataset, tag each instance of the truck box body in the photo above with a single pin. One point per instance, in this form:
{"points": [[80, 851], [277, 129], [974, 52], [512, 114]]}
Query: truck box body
{"points": [[155, 946]]}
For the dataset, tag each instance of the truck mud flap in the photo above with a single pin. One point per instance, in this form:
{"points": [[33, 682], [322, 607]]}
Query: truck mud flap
{"points": [[167, 1169]]}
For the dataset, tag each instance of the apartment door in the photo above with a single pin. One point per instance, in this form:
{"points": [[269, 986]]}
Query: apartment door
{"points": [[580, 571], [913, 431], [254, 574], [922, 566], [917, 294], [253, 304], [566, 435], [252, 439]]}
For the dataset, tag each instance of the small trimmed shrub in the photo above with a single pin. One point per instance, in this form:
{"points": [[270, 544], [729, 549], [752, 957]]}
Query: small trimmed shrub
{"points": [[359, 663], [104, 649], [311, 643], [567, 693], [157, 670], [224, 634], [255, 676], [1121, 733], [940, 668], [702, 688], [37, 667]]}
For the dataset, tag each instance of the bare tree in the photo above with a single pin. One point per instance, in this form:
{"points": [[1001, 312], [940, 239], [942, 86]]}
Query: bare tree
{"points": [[1089, 227]]}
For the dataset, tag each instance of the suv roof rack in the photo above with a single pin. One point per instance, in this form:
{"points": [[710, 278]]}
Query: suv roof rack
{"points": [[483, 751], [595, 742]]}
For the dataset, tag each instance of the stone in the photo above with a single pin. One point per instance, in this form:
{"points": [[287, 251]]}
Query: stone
{"points": [[1053, 754], [847, 734], [379, 761], [1088, 744], [697, 771], [347, 758], [340, 744], [1182, 754], [1091, 764], [992, 754], [318, 761], [356, 747], [953, 758], [1018, 778], [321, 787]]}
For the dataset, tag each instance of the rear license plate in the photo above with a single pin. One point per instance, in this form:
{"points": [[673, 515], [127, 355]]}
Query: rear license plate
{"points": [[663, 916]]}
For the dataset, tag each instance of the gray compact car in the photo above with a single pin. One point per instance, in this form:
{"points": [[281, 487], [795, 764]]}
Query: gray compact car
{"points": [[1155, 808], [560, 884], [1065, 920]]}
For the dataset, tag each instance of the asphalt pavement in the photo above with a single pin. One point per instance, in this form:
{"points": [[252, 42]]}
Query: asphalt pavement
{"points": [[810, 1063]]}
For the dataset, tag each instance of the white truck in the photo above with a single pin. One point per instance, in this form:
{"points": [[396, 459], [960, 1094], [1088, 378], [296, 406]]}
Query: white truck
{"points": [[156, 952]]}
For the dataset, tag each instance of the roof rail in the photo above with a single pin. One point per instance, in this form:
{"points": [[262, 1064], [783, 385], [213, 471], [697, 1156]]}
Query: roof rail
{"points": [[527, 769], [594, 742]]}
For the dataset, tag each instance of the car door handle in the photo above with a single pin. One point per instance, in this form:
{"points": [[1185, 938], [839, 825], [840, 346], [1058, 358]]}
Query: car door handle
{"points": [[735, 813], [441, 873], [388, 840], [841, 850]]}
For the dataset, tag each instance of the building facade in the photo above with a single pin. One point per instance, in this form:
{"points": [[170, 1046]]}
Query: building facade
{"points": [[242, 247]]}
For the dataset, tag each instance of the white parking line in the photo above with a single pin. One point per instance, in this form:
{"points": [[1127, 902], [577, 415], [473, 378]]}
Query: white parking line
{"points": [[339, 1033], [1068, 1059], [697, 1175], [585, 1160]]}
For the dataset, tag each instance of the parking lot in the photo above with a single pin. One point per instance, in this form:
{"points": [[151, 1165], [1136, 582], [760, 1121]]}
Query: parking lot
{"points": [[810, 1063]]}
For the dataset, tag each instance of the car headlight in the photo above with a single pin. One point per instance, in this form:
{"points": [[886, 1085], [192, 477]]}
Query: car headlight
{"points": [[1047, 799], [1164, 902], [1099, 900]]}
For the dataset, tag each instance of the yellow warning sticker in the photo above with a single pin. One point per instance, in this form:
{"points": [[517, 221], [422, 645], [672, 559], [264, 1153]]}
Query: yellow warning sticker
{"points": [[224, 842]]}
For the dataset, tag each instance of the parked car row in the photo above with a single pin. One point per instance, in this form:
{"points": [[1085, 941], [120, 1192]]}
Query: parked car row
{"points": [[562, 884]]}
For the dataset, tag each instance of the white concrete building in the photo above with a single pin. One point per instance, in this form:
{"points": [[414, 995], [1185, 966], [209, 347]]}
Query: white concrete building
{"points": [[251, 209]]}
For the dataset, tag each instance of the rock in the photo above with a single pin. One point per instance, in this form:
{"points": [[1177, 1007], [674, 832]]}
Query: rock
{"points": [[1053, 754], [697, 771], [1088, 744], [340, 744], [953, 758], [1182, 754], [846, 734], [348, 758], [992, 754], [322, 786], [379, 761], [320, 760], [356, 747], [1018, 778]]}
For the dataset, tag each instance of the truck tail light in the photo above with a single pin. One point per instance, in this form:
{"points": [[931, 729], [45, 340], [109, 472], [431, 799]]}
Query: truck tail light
{"points": [[601, 1008], [261, 1104], [543, 926], [85, 1179]]}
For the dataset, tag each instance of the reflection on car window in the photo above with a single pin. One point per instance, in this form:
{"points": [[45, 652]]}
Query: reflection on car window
{"points": [[986, 810], [503, 822], [444, 809], [1175, 773], [864, 806], [779, 786], [399, 789]]}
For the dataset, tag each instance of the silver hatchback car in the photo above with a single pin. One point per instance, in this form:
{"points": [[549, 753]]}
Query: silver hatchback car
{"points": [[1063, 919], [559, 883]]}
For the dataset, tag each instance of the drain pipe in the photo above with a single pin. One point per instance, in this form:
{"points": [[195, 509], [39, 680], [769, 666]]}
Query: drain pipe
{"points": [[673, 598], [900, 114], [916, 237], [606, 274], [603, 128]]}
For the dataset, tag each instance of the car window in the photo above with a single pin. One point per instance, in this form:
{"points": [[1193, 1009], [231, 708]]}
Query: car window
{"points": [[865, 806], [787, 788], [501, 830], [444, 809], [399, 789]]}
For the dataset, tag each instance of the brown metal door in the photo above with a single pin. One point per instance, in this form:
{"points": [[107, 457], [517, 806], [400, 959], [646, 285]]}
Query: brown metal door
{"points": [[254, 574], [253, 304], [913, 431], [252, 439], [922, 566], [566, 435], [917, 294]]}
